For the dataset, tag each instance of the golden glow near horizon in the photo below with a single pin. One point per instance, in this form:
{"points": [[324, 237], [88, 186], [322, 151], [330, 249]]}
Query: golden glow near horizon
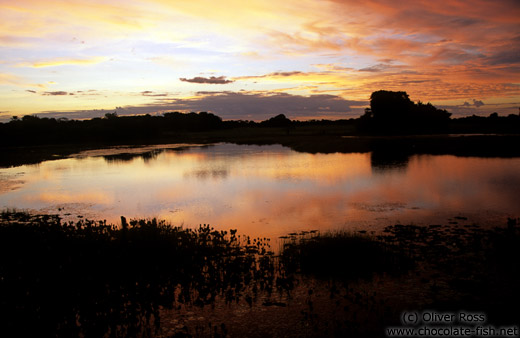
{"points": [[250, 60]]}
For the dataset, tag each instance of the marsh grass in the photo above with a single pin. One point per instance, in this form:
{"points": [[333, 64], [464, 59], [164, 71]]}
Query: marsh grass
{"points": [[146, 278], [342, 255], [368, 280], [93, 279]]}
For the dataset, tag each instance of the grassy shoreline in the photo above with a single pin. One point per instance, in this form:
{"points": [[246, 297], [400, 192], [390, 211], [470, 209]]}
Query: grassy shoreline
{"points": [[324, 139], [150, 279]]}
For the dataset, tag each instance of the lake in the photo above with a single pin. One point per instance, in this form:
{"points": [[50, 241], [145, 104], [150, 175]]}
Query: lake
{"points": [[266, 191]]}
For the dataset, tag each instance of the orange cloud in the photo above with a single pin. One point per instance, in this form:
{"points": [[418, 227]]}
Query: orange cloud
{"points": [[433, 50], [10, 79]]}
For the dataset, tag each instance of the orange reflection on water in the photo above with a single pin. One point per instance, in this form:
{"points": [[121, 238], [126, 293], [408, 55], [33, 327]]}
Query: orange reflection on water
{"points": [[268, 191], [96, 197]]}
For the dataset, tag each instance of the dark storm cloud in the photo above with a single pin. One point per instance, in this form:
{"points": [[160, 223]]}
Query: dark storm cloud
{"points": [[374, 68], [207, 80], [150, 93], [507, 53], [275, 74], [58, 93], [237, 106], [285, 73], [261, 106], [478, 103]]}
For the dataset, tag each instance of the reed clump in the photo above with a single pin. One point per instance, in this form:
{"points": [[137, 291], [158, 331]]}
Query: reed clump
{"points": [[95, 279], [342, 255]]}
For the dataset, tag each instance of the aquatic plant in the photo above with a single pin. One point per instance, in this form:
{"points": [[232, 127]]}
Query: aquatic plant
{"points": [[94, 279], [342, 255]]}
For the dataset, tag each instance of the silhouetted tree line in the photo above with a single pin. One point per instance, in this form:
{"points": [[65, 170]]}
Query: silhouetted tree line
{"points": [[36, 130], [394, 113], [491, 124], [389, 113]]}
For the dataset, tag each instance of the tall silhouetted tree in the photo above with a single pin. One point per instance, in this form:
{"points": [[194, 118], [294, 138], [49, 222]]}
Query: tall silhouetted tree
{"points": [[387, 106], [109, 116], [393, 112], [278, 121]]}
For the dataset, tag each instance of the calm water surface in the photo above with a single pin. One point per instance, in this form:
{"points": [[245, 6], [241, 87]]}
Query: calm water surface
{"points": [[267, 190]]}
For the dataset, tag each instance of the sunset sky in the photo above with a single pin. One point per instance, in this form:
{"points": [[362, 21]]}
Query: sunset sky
{"points": [[254, 59]]}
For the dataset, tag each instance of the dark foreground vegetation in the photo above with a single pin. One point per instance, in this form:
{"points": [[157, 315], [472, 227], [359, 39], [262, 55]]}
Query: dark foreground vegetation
{"points": [[447, 269], [150, 279], [91, 279]]}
